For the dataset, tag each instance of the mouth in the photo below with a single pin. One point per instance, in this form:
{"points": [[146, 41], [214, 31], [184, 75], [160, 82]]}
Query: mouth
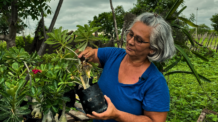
{"points": [[129, 49]]}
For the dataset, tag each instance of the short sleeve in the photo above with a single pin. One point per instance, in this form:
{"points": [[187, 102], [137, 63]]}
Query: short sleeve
{"points": [[105, 53], [157, 98]]}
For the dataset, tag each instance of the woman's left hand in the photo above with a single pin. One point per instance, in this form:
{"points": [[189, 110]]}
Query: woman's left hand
{"points": [[110, 113]]}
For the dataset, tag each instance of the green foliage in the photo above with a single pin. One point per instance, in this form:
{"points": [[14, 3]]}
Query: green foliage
{"points": [[26, 8], [214, 20], [59, 37], [12, 95], [3, 25], [157, 6], [20, 43], [85, 37], [202, 29], [105, 21], [187, 97], [3, 45]]}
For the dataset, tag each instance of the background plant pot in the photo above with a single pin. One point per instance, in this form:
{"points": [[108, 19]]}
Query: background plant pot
{"points": [[92, 99], [28, 118]]}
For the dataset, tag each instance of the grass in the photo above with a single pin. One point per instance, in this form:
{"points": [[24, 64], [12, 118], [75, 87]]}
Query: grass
{"points": [[187, 96]]}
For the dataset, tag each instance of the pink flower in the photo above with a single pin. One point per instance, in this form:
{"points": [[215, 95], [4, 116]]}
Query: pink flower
{"points": [[35, 71]]}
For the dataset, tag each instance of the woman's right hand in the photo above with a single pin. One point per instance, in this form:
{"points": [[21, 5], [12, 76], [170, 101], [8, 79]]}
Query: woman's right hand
{"points": [[90, 54]]}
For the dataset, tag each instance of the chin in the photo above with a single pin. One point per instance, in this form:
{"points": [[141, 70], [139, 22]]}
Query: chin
{"points": [[130, 53]]}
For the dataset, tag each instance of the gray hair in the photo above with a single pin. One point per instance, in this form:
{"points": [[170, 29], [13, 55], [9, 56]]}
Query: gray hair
{"points": [[161, 39]]}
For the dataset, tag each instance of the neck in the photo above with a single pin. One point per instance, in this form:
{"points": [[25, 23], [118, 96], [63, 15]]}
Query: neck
{"points": [[137, 62]]}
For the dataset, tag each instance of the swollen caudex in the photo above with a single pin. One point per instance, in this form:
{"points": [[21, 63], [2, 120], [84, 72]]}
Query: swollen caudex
{"points": [[85, 70]]}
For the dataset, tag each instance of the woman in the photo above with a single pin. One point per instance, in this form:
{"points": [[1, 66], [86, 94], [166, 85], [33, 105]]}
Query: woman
{"points": [[134, 88]]}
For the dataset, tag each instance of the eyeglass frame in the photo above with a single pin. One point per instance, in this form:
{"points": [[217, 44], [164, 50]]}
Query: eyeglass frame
{"points": [[134, 38]]}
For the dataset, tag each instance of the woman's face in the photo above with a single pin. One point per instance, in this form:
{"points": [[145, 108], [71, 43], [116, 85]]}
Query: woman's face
{"points": [[138, 40]]}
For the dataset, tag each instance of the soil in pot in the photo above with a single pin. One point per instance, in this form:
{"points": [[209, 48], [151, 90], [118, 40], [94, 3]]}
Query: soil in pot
{"points": [[92, 99]]}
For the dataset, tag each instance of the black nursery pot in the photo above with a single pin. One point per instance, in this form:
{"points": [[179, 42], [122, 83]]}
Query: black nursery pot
{"points": [[92, 99]]}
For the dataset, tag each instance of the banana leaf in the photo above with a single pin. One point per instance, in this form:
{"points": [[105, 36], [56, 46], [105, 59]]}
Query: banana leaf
{"points": [[188, 62], [188, 72]]}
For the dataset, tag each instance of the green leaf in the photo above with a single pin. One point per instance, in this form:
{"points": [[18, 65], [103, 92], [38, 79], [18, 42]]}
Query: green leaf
{"points": [[181, 10], [95, 29], [2, 80], [24, 112], [188, 72], [4, 115], [188, 22], [173, 9], [188, 62], [54, 109], [79, 26], [66, 99], [199, 56], [172, 65], [33, 90], [176, 26], [83, 47], [15, 66], [82, 33], [189, 36], [50, 42], [79, 40]]}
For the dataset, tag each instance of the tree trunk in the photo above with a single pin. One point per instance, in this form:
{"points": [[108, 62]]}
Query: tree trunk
{"points": [[115, 23], [122, 33], [13, 25], [43, 45]]}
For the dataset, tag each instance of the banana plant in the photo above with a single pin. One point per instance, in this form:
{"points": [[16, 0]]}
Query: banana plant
{"points": [[173, 16]]}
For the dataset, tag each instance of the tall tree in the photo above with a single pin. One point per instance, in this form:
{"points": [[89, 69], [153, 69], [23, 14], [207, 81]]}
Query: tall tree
{"points": [[43, 45], [214, 20], [115, 23], [105, 21], [15, 9], [156, 6]]}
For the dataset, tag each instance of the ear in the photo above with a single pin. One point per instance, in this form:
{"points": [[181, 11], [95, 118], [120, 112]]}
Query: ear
{"points": [[151, 52]]}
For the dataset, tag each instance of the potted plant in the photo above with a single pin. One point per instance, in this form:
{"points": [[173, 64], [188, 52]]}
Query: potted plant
{"points": [[91, 97]]}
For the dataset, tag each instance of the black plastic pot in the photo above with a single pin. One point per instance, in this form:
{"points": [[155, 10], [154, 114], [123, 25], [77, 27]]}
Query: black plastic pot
{"points": [[28, 118], [92, 99]]}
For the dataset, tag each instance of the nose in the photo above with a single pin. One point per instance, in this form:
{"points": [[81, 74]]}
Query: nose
{"points": [[131, 41]]}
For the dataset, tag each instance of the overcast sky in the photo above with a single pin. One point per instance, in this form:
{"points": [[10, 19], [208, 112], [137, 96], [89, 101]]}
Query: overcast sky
{"points": [[78, 12]]}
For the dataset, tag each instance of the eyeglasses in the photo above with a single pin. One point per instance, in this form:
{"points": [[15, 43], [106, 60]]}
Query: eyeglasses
{"points": [[137, 39]]}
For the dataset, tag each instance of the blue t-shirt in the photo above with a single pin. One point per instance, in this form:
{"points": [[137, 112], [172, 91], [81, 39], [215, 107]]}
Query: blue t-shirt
{"points": [[150, 93]]}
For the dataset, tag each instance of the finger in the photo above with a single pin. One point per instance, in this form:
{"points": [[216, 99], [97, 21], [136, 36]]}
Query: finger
{"points": [[90, 59], [91, 116], [107, 99], [99, 115]]}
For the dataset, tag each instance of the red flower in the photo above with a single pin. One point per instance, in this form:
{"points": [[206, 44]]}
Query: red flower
{"points": [[35, 71]]}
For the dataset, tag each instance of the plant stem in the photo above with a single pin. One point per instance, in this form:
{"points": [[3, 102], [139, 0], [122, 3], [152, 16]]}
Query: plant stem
{"points": [[72, 51], [83, 83], [28, 74]]}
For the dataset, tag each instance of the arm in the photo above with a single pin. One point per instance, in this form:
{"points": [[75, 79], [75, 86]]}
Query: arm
{"points": [[90, 54], [147, 117], [120, 116]]}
